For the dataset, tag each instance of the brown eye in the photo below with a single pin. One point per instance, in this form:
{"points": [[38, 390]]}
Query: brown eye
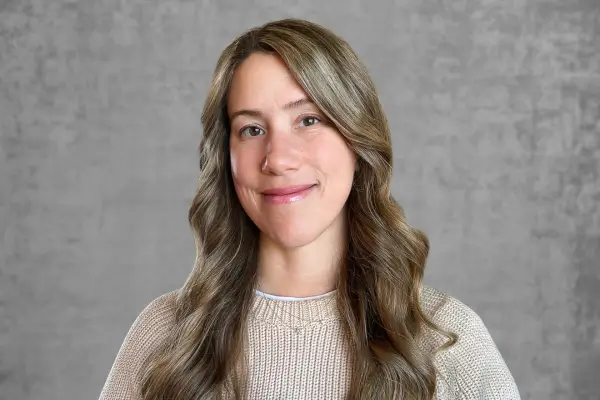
{"points": [[252, 131]]}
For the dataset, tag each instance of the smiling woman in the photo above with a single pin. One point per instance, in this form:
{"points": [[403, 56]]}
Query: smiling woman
{"points": [[283, 150], [308, 279]]}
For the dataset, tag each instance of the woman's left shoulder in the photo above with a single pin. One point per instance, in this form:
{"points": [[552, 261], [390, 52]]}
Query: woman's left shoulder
{"points": [[473, 367], [450, 313]]}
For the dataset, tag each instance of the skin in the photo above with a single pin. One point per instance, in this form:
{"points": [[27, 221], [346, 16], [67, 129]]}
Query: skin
{"points": [[279, 138]]}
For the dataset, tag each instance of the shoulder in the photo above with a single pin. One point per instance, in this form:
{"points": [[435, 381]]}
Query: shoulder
{"points": [[449, 313], [473, 366], [152, 325], [149, 330], [158, 316]]}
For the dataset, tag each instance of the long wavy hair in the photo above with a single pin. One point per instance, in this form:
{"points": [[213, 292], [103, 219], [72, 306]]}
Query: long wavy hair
{"points": [[379, 285]]}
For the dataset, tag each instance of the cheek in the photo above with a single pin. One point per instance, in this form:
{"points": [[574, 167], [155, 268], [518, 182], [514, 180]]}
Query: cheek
{"points": [[241, 182], [337, 161], [234, 159], [243, 174], [241, 165], [234, 164]]}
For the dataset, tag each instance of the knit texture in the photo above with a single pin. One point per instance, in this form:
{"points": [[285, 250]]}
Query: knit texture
{"points": [[299, 350]]}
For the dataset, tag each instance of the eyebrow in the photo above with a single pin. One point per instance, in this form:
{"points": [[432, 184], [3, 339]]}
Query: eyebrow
{"points": [[257, 113]]}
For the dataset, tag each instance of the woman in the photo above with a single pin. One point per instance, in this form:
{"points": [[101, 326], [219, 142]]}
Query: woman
{"points": [[307, 283]]}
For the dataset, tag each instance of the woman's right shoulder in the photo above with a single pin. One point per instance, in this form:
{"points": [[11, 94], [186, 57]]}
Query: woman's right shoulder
{"points": [[147, 333], [153, 324], [160, 310]]}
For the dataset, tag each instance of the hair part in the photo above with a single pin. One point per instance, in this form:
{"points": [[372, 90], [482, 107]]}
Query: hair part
{"points": [[379, 286]]}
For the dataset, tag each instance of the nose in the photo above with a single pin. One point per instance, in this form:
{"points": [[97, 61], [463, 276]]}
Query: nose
{"points": [[282, 153]]}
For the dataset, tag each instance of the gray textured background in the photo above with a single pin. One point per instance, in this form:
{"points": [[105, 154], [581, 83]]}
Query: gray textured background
{"points": [[495, 109]]}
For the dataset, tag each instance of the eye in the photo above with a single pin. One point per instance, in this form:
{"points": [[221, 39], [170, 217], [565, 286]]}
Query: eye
{"points": [[252, 131], [310, 120]]}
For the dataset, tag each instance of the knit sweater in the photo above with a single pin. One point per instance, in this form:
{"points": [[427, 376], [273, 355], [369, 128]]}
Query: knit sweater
{"points": [[299, 350]]}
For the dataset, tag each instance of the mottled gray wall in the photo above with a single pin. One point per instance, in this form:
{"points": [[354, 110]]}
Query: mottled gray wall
{"points": [[495, 109]]}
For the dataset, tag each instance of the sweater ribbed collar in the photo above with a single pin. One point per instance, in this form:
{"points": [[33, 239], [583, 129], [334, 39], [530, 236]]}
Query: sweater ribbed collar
{"points": [[297, 314]]}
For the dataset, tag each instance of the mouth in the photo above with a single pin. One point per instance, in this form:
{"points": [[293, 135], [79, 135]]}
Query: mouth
{"points": [[288, 194]]}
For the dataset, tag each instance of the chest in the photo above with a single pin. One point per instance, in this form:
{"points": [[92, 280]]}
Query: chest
{"points": [[306, 363]]}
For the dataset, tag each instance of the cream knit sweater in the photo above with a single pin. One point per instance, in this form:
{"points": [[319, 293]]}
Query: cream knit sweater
{"points": [[298, 350]]}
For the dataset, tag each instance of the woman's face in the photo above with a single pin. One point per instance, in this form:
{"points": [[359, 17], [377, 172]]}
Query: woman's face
{"points": [[291, 169]]}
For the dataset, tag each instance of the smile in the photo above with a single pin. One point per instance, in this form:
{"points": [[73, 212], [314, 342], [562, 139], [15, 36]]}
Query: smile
{"points": [[286, 195]]}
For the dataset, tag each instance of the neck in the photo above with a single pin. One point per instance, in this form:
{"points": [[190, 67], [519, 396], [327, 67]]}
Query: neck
{"points": [[309, 270]]}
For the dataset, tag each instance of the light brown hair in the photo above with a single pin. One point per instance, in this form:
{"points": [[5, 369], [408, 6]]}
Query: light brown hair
{"points": [[379, 286]]}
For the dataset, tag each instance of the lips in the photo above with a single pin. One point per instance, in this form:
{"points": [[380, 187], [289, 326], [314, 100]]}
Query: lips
{"points": [[288, 194], [286, 190]]}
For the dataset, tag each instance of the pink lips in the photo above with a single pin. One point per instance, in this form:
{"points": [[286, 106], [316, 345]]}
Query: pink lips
{"points": [[289, 194]]}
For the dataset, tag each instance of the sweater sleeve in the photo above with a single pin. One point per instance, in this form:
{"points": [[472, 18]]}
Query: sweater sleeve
{"points": [[472, 369], [148, 331]]}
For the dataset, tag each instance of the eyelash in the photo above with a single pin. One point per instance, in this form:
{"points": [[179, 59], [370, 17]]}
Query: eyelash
{"points": [[317, 118]]}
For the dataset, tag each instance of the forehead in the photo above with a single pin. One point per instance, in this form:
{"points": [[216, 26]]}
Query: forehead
{"points": [[262, 81]]}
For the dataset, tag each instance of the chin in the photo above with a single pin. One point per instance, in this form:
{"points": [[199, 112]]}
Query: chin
{"points": [[292, 240]]}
